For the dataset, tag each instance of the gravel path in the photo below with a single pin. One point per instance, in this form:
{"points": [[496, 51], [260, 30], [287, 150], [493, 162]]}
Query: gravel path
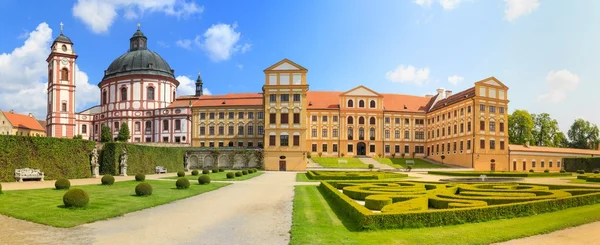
{"points": [[254, 211], [584, 234]]}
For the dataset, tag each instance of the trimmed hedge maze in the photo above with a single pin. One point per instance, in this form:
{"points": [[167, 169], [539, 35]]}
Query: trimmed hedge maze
{"points": [[589, 178], [499, 174], [351, 175], [411, 204]]}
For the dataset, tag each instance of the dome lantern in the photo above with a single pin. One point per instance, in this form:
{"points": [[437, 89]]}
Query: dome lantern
{"points": [[138, 41]]}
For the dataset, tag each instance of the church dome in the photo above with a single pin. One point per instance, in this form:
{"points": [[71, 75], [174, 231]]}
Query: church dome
{"points": [[139, 61]]}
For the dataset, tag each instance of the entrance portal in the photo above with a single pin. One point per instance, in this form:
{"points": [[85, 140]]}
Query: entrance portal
{"points": [[361, 149], [282, 165]]}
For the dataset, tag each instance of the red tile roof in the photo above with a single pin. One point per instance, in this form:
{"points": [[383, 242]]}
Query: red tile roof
{"points": [[544, 149], [23, 121], [241, 99], [324, 100], [455, 98]]}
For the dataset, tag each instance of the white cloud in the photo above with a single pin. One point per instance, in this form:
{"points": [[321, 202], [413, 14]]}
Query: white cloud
{"points": [[220, 42], [408, 74], [162, 44], [246, 47], [517, 8], [240, 66], [99, 15], [455, 79], [424, 3], [85, 93], [184, 43], [187, 86], [559, 82], [449, 4], [23, 76]]}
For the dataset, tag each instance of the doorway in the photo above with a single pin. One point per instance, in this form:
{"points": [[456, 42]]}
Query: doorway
{"points": [[514, 165], [492, 166], [282, 165], [361, 149]]}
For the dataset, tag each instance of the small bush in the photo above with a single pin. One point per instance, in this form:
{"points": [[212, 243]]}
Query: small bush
{"points": [[597, 171], [143, 189], [251, 170], [562, 171], [238, 174], [204, 179], [215, 170], [108, 179], [76, 198], [221, 170], [205, 171], [581, 171], [546, 170], [254, 170], [195, 172], [140, 177], [62, 184], [531, 171], [244, 172], [371, 166], [341, 154], [182, 183], [230, 175], [180, 174]]}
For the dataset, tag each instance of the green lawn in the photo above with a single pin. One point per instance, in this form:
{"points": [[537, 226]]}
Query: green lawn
{"points": [[332, 162], [314, 222], [581, 181], [218, 176], [44, 206], [401, 163], [301, 177]]}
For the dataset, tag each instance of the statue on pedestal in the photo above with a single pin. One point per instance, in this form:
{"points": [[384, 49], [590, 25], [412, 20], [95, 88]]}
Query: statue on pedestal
{"points": [[94, 163], [186, 163], [123, 163]]}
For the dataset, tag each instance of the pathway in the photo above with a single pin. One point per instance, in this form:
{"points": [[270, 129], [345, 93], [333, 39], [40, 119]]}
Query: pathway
{"points": [[254, 211], [368, 160], [584, 234]]}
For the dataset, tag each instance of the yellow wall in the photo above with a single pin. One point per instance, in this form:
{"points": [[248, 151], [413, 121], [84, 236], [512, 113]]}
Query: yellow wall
{"points": [[255, 137]]}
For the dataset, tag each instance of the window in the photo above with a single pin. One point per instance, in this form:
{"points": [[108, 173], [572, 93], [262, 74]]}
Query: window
{"points": [[165, 139], [461, 146], [230, 130], [202, 115], [250, 130], [361, 133], [296, 118], [296, 97], [231, 115], [211, 115], [202, 130], [481, 125], [350, 133], [482, 108], [283, 140], [462, 111], [324, 147], [314, 118], [123, 94], [250, 144], [335, 118], [230, 144], [350, 120], [501, 145], [468, 144], [397, 149], [406, 121], [387, 148], [211, 130], [542, 165], [387, 134], [372, 121], [501, 127], [420, 121], [501, 110], [482, 144], [469, 109], [406, 149], [104, 98], [558, 164], [492, 144], [493, 126], [462, 128], [533, 164], [211, 144], [260, 115], [443, 148], [371, 148], [361, 103], [221, 130], [313, 133], [221, 115], [273, 118], [165, 125], [419, 135], [240, 143], [261, 130], [361, 120], [296, 140], [406, 135], [350, 148], [334, 133], [314, 147], [455, 131], [350, 103], [372, 133], [387, 120], [284, 97], [64, 74], [324, 119], [324, 133], [334, 148], [272, 140], [455, 113], [272, 98], [84, 129], [284, 118], [372, 104], [397, 134], [250, 116], [550, 164], [64, 106], [469, 126], [177, 124], [397, 120], [148, 126], [443, 131], [419, 149], [240, 129], [492, 109], [150, 93]]}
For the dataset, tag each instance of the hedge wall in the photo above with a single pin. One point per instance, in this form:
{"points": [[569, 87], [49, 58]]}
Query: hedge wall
{"points": [[57, 158], [140, 159], [351, 175], [499, 174], [589, 164]]}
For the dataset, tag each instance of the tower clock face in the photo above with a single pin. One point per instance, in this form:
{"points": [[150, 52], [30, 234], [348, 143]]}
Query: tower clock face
{"points": [[64, 61]]}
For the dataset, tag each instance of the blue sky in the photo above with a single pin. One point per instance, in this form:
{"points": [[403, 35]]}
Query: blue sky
{"points": [[545, 51]]}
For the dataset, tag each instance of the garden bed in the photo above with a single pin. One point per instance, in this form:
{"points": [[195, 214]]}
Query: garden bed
{"points": [[500, 174], [351, 175]]}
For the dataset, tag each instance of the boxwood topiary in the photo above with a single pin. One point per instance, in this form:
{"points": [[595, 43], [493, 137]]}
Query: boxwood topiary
{"points": [[221, 170], [182, 183], [230, 175], [76, 198], [562, 171], [140, 177], [143, 189], [205, 171], [546, 170], [204, 179], [180, 174], [62, 184], [108, 179], [215, 170], [195, 172], [245, 172], [238, 174], [531, 171]]}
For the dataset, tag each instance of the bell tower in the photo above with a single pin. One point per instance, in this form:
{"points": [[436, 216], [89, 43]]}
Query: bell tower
{"points": [[60, 117]]}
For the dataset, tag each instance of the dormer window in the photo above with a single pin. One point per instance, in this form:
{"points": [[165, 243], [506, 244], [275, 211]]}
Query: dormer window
{"points": [[64, 48], [124, 67], [150, 65]]}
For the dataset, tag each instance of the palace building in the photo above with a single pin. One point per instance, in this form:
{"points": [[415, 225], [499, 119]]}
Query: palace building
{"points": [[468, 128]]}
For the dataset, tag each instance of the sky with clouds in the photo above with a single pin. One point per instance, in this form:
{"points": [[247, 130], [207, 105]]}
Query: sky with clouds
{"points": [[545, 51]]}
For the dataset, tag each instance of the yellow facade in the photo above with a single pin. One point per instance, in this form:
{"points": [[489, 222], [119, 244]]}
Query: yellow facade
{"points": [[21, 125], [235, 126]]}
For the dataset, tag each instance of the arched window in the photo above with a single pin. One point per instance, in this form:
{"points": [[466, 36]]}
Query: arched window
{"points": [[150, 93], [64, 74], [372, 120], [64, 106], [372, 104], [148, 126], [372, 133], [361, 103], [123, 94], [361, 120], [350, 120], [350, 103], [361, 133], [104, 97]]}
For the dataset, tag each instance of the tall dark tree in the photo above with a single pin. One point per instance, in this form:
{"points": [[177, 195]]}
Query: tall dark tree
{"points": [[123, 133], [105, 134], [544, 130], [560, 140], [584, 135], [520, 127]]}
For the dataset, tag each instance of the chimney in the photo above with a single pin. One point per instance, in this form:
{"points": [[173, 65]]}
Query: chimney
{"points": [[448, 93], [12, 111], [31, 115], [428, 95], [440, 91]]}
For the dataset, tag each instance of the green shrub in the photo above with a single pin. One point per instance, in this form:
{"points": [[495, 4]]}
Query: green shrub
{"points": [[244, 172], [182, 183], [588, 164], [351, 175], [238, 174], [205, 171], [140, 177], [221, 170], [194, 172], [254, 170], [76, 198], [531, 171], [141, 158], [371, 166], [581, 171], [62, 184], [215, 170], [143, 189], [546, 170], [597, 171], [204, 179], [230, 175], [180, 174], [108, 179], [562, 171]]}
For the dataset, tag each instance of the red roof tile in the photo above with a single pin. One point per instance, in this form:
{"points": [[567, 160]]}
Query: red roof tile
{"points": [[544, 149], [455, 98], [323, 100], [241, 99], [23, 121]]}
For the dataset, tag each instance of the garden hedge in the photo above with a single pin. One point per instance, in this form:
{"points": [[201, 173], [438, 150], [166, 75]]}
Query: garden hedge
{"points": [[411, 204], [589, 164], [55, 157], [351, 175], [140, 159], [499, 174]]}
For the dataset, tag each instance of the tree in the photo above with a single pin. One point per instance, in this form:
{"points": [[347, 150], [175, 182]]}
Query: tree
{"points": [[544, 130], [105, 134], [123, 135], [583, 135], [520, 127], [560, 140]]}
